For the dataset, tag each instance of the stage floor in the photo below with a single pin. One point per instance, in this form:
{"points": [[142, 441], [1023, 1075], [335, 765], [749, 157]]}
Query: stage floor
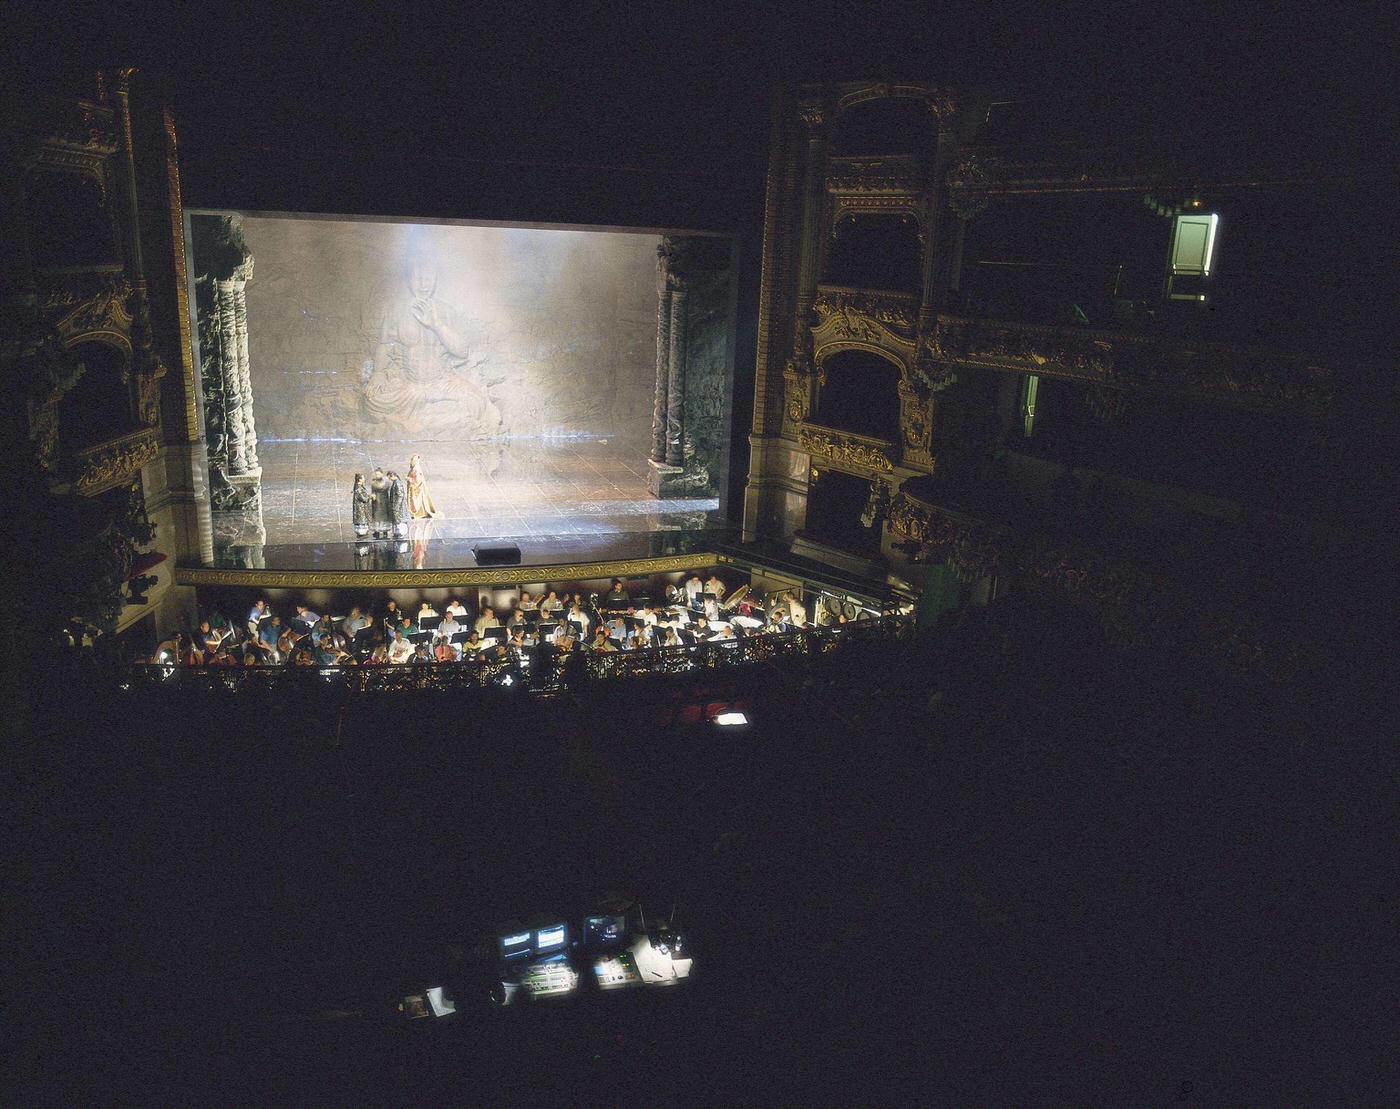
{"points": [[520, 490]]}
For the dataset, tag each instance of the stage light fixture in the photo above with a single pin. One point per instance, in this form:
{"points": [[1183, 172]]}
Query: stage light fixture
{"points": [[730, 719]]}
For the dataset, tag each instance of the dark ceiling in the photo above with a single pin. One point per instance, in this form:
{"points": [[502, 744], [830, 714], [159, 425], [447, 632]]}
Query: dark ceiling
{"points": [[553, 111]]}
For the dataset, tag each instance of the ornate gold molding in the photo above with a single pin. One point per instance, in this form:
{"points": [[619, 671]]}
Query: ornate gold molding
{"points": [[847, 450], [426, 579], [899, 312], [1215, 371], [111, 464], [915, 425], [847, 328], [897, 174], [103, 311]]}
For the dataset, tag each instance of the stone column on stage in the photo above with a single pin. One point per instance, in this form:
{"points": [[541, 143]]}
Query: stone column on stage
{"points": [[663, 353], [224, 267], [675, 388], [666, 466]]}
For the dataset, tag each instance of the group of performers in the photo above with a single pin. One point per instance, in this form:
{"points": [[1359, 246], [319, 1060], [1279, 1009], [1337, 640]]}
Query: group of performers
{"points": [[387, 502], [693, 612]]}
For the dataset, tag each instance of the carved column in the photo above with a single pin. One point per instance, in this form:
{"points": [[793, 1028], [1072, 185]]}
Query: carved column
{"points": [[245, 381], [798, 374], [663, 354], [227, 294], [675, 387]]}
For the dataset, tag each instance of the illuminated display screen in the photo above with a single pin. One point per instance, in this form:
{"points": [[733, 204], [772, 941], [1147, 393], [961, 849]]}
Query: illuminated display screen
{"points": [[547, 938], [513, 362], [516, 945]]}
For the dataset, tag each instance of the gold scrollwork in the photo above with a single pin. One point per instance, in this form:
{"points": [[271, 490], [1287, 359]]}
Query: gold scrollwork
{"points": [[113, 463], [845, 449]]}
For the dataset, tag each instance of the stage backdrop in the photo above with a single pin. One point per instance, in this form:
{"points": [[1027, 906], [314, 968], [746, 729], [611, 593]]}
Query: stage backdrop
{"points": [[457, 342]]}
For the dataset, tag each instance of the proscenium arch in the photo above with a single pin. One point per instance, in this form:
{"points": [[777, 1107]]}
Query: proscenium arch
{"points": [[851, 401]]}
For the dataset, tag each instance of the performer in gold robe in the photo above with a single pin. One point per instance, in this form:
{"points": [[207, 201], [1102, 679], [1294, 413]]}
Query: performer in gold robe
{"points": [[420, 502]]}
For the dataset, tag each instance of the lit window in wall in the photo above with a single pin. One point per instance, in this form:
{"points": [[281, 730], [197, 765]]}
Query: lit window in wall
{"points": [[1192, 253]]}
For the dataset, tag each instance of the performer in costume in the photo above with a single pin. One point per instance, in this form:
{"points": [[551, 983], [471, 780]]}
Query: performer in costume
{"points": [[380, 512], [398, 505], [420, 503], [360, 507]]}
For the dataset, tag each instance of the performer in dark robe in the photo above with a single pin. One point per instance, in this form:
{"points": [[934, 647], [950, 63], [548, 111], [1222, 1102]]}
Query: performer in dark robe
{"points": [[398, 505], [360, 507], [381, 513]]}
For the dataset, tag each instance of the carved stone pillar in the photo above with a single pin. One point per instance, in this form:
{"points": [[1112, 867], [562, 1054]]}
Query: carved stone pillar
{"points": [[227, 294], [663, 354], [675, 387], [224, 267], [245, 381]]}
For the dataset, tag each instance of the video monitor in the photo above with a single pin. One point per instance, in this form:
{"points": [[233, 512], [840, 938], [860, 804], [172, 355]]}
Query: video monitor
{"points": [[515, 944], [488, 369], [551, 939], [604, 930]]}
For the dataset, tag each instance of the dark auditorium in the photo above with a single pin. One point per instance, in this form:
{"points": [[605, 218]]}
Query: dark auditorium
{"points": [[791, 555]]}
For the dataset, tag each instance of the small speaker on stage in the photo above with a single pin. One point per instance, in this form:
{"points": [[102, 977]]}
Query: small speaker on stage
{"points": [[497, 556]]}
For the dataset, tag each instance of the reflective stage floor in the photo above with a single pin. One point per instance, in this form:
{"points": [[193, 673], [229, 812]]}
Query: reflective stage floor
{"points": [[523, 490]]}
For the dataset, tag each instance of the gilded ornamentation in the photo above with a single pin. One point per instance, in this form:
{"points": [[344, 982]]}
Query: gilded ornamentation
{"points": [[114, 463], [846, 449], [797, 390], [391, 579], [104, 308], [896, 311], [1212, 371], [915, 422], [897, 174], [813, 115]]}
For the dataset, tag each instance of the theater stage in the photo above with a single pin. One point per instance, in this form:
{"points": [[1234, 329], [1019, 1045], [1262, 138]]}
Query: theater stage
{"points": [[520, 489]]}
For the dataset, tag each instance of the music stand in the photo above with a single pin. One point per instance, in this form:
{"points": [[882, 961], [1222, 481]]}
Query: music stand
{"points": [[496, 634], [429, 623]]}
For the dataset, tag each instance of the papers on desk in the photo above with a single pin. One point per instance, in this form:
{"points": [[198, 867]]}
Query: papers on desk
{"points": [[747, 622]]}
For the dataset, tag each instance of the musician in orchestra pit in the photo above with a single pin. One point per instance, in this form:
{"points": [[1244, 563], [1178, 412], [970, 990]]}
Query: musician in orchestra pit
{"points": [[425, 612], [601, 643], [693, 588], [355, 623], [616, 594], [449, 626], [400, 649], [717, 587], [527, 602], [455, 608], [577, 615], [671, 637], [473, 644], [446, 651], [255, 615], [647, 615], [551, 604], [487, 619], [209, 639]]}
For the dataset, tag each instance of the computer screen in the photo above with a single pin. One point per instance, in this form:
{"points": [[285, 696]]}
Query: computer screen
{"points": [[551, 938]]}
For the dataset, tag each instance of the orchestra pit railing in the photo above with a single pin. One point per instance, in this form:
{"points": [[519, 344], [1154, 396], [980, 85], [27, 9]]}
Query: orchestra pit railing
{"points": [[531, 669]]}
